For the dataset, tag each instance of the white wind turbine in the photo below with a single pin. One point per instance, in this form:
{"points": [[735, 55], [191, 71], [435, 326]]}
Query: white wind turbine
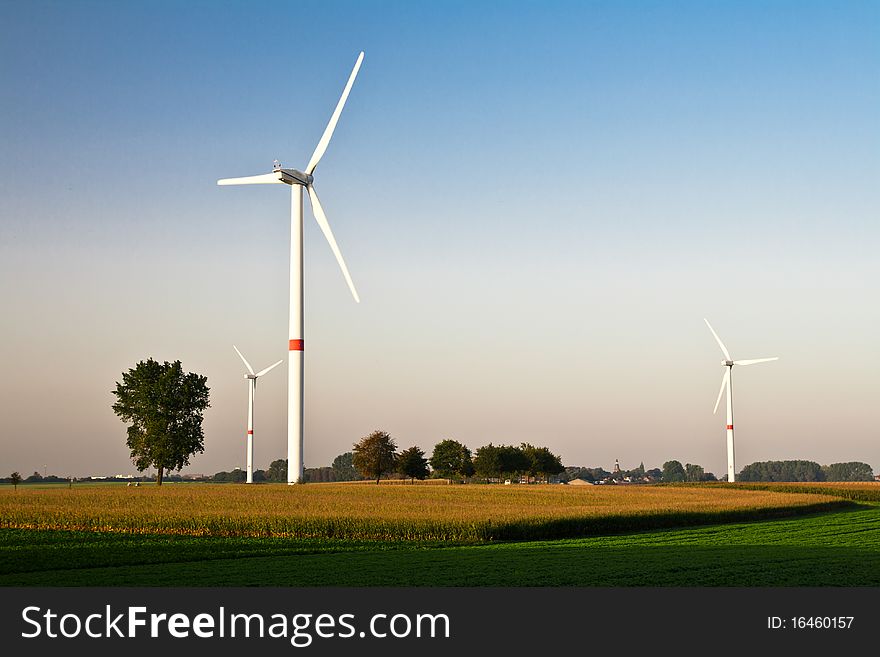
{"points": [[297, 181], [727, 382], [252, 391]]}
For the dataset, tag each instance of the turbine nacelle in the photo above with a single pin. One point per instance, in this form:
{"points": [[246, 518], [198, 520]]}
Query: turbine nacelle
{"points": [[294, 177], [727, 363]]}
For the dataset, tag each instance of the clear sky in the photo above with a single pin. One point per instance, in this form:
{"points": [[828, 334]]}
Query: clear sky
{"points": [[538, 201]]}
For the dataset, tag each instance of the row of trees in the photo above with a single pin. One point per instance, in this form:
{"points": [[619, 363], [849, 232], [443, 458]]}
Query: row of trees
{"points": [[377, 454], [674, 471], [806, 471], [451, 459]]}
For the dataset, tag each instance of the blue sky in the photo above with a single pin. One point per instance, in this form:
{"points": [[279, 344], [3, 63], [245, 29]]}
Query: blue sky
{"points": [[539, 202]]}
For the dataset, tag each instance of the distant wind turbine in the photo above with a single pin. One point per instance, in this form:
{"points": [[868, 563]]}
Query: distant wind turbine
{"points": [[252, 390], [727, 382], [299, 180]]}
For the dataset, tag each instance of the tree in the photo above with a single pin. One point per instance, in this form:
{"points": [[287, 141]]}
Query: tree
{"points": [[413, 464], [852, 471], [34, 478], [487, 461], [693, 472], [594, 474], [450, 459], [375, 455], [673, 471], [15, 480], [542, 461], [164, 406], [237, 476], [277, 470], [318, 475], [514, 462], [344, 469]]}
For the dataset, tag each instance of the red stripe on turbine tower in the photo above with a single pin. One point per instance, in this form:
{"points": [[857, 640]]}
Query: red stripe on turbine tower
{"points": [[730, 427], [296, 345], [250, 432]]}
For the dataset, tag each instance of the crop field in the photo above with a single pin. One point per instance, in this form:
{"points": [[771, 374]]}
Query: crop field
{"points": [[343, 535], [391, 513]]}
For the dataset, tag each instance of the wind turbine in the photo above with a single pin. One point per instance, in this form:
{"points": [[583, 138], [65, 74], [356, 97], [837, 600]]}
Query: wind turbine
{"points": [[297, 181], [727, 382], [252, 390]]}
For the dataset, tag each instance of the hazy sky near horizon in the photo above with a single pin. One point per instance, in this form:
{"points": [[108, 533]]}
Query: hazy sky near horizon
{"points": [[538, 201]]}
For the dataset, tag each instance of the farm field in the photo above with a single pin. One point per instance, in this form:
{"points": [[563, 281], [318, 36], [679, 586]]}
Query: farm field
{"points": [[392, 513], [827, 542]]}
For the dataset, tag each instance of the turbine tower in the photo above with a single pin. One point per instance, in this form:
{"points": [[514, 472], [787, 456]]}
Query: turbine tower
{"points": [[727, 382], [252, 390], [297, 181]]}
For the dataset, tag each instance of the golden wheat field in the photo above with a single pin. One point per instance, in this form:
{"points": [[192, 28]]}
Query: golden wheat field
{"points": [[396, 513]]}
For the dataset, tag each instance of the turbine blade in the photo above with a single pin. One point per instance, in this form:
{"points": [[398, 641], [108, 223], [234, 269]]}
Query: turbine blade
{"points": [[244, 360], [331, 126], [271, 367], [724, 382], [718, 340], [321, 218], [264, 179], [752, 361]]}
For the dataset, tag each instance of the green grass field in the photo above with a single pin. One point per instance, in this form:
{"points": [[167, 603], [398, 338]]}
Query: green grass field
{"points": [[839, 546]]}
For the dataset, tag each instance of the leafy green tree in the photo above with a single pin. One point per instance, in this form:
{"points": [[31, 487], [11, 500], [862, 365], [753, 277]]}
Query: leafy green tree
{"points": [[413, 464], [514, 462], [487, 462], [542, 461], [164, 406], [343, 468], [693, 472], [375, 455], [277, 470], [15, 480], [451, 459], [673, 471], [34, 478], [851, 471]]}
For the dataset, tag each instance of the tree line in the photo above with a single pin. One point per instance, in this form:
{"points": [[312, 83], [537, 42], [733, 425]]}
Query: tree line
{"points": [[164, 407], [376, 455], [806, 471]]}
